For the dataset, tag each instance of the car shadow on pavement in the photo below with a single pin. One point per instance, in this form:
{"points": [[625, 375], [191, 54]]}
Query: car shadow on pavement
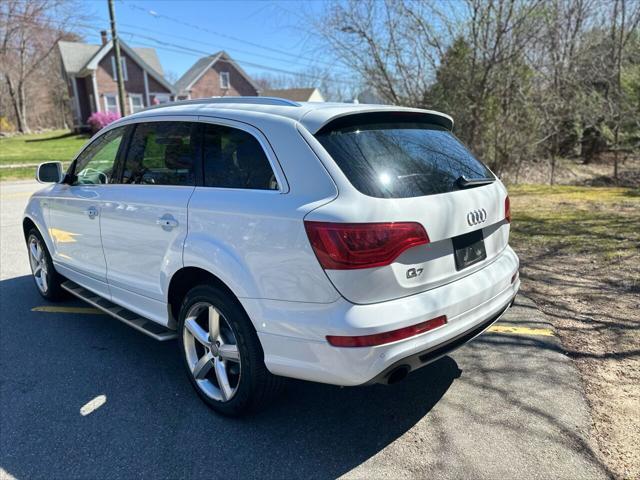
{"points": [[154, 425]]}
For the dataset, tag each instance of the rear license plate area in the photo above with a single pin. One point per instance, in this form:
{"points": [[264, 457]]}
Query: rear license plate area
{"points": [[469, 249]]}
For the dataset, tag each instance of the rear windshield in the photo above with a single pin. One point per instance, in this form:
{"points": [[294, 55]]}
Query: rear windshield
{"points": [[393, 156]]}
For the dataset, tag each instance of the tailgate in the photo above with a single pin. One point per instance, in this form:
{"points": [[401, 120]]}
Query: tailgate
{"points": [[447, 219]]}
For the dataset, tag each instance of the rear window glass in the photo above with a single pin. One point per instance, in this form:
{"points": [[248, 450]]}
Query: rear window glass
{"points": [[394, 156]]}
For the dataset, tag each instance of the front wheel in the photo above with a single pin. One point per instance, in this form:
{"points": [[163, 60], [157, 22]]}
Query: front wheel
{"points": [[46, 278], [222, 353]]}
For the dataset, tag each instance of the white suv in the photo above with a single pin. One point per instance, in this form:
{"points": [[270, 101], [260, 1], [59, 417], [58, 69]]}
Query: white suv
{"points": [[343, 244]]}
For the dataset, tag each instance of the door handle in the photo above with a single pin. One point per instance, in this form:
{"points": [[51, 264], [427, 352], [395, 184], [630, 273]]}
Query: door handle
{"points": [[167, 222], [92, 212]]}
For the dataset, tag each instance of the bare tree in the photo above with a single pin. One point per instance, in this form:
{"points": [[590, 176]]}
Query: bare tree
{"points": [[522, 78], [399, 49], [29, 32], [389, 44], [623, 18], [559, 86]]}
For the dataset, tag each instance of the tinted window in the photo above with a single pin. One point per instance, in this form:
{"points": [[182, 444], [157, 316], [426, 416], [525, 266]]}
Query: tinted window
{"points": [[395, 156], [162, 153], [96, 164], [235, 159]]}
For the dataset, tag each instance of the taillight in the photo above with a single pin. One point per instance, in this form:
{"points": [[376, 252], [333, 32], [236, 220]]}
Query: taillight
{"points": [[387, 337], [507, 209], [347, 246]]}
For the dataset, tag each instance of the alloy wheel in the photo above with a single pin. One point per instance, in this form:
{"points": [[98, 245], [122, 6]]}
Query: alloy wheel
{"points": [[38, 261], [211, 351]]}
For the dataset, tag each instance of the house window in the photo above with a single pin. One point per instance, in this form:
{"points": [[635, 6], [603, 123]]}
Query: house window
{"points": [[224, 80], [135, 102], [111, 103], [123, 63]]}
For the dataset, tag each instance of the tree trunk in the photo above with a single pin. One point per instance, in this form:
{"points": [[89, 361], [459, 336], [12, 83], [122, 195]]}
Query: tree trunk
{"points": [[616, 151], [23, 108], [17, 101]]}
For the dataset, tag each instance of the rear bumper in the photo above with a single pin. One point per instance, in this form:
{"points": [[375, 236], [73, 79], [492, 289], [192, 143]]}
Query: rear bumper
{"points": [[432, 354], [293, 334]]}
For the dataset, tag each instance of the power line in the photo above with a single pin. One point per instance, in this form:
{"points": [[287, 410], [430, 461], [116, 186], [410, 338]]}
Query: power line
{"points": [[235, 49], [197, 53], [183, 48], [153, 13]]}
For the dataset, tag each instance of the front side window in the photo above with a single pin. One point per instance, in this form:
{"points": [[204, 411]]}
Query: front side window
{"points": [[399, 155], [96, 164], [234, 158], [162, 153]]}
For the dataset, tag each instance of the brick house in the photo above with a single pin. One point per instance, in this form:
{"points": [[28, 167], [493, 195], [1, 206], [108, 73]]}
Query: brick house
{"points": [[216, 75], [90, 73]]}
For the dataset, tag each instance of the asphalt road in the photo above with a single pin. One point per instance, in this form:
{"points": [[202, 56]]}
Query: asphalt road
{"points": [[84, 396]]}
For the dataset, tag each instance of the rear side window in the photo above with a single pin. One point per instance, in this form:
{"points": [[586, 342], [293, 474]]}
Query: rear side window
{"points": [[398, 156], [162, 153], [234, 158]]}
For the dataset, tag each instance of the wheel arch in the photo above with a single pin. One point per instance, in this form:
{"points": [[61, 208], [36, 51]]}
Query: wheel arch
{"points": [[29, 223], [184, 280], [27, 226]]}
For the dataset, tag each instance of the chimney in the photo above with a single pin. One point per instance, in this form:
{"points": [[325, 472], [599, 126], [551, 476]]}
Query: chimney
{"points": [[103, 36]]}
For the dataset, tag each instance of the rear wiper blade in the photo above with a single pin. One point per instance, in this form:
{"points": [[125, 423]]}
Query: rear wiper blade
{"points": [[464, 182]]}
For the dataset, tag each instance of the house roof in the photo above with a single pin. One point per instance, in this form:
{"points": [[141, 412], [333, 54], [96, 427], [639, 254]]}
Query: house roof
{"points": [[76, 56], [295, 94], [191, 76]]}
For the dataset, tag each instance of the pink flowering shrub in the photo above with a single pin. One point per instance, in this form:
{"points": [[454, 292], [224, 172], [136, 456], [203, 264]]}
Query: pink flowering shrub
{"points": [[99, 120]]}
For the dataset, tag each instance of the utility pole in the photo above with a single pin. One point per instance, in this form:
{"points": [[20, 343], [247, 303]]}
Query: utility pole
{"points": [[116, 49]]}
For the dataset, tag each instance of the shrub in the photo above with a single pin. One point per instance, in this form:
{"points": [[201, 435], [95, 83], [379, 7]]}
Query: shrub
{"points": [[99, 120], [6, 125]]}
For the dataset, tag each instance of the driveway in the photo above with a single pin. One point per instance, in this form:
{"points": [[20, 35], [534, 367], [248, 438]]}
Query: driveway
{"points": [[84, 396]]}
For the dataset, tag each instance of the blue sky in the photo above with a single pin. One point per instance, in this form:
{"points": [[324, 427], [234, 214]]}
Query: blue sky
{"points": [[269, 33]]}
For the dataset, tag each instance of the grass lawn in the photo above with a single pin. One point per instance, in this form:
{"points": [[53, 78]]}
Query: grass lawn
{"points": [[568, 219], [579, 249], [57, 145]]}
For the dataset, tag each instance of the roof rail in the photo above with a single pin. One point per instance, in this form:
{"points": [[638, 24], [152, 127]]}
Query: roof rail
{"points": [[283, 102]]}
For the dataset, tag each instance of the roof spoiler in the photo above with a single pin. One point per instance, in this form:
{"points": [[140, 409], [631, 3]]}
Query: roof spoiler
{"points": [[384, 115]]}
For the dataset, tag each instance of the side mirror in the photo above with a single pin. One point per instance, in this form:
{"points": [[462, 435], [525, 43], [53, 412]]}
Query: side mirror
{"points": [[50, 172]]}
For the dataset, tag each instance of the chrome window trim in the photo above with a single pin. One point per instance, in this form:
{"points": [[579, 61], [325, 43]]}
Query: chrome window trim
{"points": [[283, 184]]}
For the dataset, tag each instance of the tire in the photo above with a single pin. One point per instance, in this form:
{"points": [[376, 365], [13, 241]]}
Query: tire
{"points": [[227, 370], [47, 280]]}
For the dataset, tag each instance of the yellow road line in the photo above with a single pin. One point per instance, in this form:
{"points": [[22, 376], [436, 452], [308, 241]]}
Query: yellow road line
{"points": [[87, 310], [544, 332]]}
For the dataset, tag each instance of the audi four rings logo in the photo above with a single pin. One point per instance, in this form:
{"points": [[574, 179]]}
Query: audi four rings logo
{"points": [[474, 217]]}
